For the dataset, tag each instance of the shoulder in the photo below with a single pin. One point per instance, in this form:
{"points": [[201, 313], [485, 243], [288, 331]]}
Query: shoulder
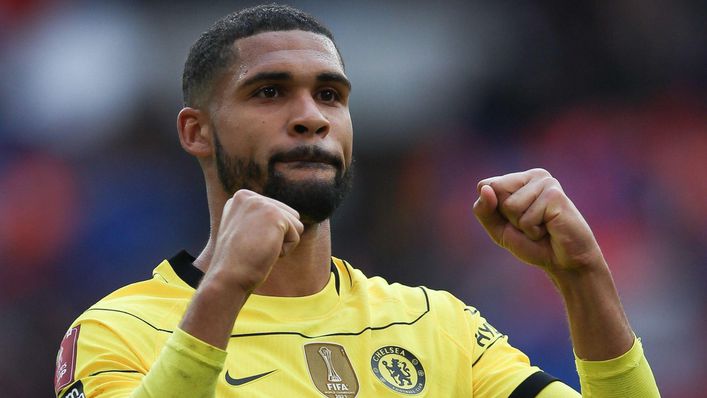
{"points": [[379, 285], [122, 333], [377, 289], [419, 300], [149, 304]]}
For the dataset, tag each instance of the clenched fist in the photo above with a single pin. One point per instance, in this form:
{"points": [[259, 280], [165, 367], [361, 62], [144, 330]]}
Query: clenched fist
{"points": [[255, 230], [529, 214]]}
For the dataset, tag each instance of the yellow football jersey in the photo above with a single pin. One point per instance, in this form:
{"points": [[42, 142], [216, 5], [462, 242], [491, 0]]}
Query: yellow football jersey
{"points": [[358, 337]]}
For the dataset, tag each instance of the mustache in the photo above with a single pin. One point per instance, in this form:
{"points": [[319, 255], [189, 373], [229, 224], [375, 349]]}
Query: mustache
{"points": [[308, 153]]}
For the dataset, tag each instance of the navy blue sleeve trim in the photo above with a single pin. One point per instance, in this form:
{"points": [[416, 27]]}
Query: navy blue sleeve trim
{"points": [[531, 386]]}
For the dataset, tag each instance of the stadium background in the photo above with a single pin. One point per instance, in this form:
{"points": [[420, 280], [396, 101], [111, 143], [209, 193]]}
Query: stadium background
{"points": [[95, 191]]}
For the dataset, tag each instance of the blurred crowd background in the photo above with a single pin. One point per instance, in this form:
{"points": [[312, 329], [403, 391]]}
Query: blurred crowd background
{"points": [[610, 97]]}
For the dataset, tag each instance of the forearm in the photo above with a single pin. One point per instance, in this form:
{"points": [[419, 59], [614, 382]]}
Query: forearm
{"points": [[186, 367], [598, 325], [213, 310], [529, 214], [254, 231], [626, 376]]}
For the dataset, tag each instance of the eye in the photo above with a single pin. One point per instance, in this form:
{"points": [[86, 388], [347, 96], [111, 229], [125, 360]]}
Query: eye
{"points": [[268, 92], [327, 95]]}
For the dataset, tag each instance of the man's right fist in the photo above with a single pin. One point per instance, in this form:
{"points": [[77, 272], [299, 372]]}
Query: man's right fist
{"points": [[255, 230]]}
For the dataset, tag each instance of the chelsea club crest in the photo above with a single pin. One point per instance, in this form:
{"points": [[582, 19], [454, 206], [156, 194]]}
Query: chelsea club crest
{"points": [[398, 369]]}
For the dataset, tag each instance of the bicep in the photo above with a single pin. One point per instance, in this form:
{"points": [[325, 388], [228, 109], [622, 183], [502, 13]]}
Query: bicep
{"points": [[500, 369], [96, 361]]}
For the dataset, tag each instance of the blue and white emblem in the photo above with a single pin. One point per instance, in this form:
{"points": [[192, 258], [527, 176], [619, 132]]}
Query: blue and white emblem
{"points": [[398, 369]]}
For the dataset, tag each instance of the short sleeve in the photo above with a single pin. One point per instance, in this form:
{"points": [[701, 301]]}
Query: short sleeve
{"points": [[97, 362], [498, 368], [92, 359]]}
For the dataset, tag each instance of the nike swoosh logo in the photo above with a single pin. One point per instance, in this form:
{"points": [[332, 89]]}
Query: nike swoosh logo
{"points": [[238, 382]]}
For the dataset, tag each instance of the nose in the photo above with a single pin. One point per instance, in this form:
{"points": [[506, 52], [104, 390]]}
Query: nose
{"points": [[307, 118]]}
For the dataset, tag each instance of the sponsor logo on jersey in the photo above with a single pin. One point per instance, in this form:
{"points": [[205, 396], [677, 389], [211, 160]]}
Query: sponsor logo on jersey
{"points": [[234, 381], [330, 370], [486, 335], [398, 369], [66, 359]]}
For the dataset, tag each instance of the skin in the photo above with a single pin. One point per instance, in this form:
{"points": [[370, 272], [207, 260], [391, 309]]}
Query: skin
{"points": [[259, 245], [529, 214]]}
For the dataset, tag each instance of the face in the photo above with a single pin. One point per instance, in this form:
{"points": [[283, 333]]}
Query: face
{"points": [[281, 122]]}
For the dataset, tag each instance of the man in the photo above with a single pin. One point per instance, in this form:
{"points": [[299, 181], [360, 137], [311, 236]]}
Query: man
{"points": [[265, 310]]}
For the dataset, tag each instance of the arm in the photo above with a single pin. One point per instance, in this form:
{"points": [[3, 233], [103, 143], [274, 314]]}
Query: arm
{"points": [[629, 375], [528, 214], [110, 358], [500, 369], [254, 232]]}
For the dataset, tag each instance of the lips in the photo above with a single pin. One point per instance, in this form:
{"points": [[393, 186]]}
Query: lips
{"points": [[309, 156], [307, 166], [308, 163]]}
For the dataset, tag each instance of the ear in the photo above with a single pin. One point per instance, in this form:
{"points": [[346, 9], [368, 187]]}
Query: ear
{"points": [[194, 132]]}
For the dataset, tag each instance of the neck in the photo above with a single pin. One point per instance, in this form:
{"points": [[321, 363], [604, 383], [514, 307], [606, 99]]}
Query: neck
{"points": [[304, 271]]}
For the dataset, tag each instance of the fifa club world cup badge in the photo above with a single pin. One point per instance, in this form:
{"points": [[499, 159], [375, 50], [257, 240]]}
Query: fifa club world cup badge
{"points": [[398, 369], [331, 370]]}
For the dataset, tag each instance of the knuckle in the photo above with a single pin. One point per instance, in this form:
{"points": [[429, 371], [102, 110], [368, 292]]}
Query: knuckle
{"points": [[227, 205], [525, 223], [281, 225], [268, 210], [241, 195], [554, 192], [550, 181], [512, 204], [485, 181], [539, 171]]}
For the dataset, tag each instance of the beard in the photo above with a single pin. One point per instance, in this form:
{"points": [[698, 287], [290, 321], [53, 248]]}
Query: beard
{"points": [[314, 200]]}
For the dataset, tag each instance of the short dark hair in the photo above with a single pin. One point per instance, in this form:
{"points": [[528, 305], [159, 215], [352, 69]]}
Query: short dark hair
{"points": [[214, 51]]}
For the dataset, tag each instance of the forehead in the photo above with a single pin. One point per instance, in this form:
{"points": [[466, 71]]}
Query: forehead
{"points": [[286, 48]]}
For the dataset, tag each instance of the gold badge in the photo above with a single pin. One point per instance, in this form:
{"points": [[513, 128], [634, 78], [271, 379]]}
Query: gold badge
{"points": [[331, 370]]}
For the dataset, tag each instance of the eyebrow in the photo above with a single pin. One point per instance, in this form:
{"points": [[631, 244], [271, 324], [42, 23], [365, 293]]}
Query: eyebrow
{"points": [[267, 77], [334, 77], [325, 77]]}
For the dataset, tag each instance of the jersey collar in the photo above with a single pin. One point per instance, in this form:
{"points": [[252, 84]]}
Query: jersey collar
{"points": [[183, 265]]}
